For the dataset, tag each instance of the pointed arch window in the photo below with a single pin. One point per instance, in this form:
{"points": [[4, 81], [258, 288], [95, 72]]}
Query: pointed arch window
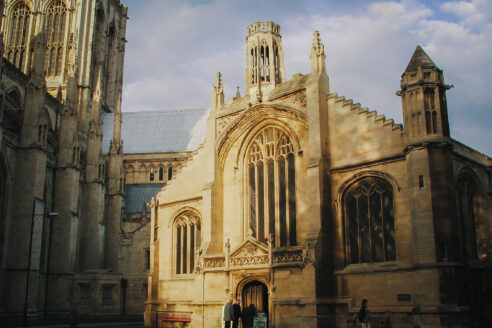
{"points": [[473, 226], [271, 181], [430, 111], [370, 222], [187, 233], [56, 20], [161, 174], [19, 35], [169, 172]]}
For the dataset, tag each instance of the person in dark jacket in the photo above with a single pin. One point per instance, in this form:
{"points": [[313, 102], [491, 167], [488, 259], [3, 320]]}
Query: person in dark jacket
{"points": [[228, 314], [237, 314], [364, 315]]}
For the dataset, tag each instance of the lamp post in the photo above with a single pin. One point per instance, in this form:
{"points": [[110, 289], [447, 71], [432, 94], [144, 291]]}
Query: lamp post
{"points": [[28, 275], [51, 215]]}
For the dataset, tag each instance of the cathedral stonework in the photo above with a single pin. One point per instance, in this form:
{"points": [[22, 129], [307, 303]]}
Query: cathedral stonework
{"points": [[303, 204], [291, 198]]}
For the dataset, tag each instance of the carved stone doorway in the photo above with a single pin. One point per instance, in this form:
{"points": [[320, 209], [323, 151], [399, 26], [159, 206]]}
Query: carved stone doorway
{"points": [[254, 299]]}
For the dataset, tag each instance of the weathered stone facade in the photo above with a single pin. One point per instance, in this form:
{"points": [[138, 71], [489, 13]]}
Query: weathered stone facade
{"points": [[62, 238], [302, 203]]}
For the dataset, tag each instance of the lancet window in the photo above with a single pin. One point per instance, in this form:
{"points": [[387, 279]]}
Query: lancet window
{"points": [[276, 63], [265, 63], [473, 225], [187, 233], [430, 111], [254, 65], [19, 35], [370, 222], [271, 183], [56, 20]]}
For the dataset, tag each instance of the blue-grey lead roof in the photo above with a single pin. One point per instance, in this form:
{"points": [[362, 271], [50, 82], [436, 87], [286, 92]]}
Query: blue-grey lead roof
{"points": [[158, 131], [136, 195]]}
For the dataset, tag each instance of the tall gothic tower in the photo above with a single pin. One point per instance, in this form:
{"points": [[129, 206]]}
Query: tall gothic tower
{"points": [[74, 50], [264, 57]]}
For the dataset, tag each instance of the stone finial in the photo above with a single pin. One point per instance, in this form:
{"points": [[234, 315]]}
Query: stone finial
{"points": [[317, 44], [218, 84], [218, 94], [317, 55], [98, 89], [259, 94], [238, 95]]}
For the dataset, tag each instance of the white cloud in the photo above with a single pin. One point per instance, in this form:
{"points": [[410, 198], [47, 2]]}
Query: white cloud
{"points": [[387, 8], [461, 8]]}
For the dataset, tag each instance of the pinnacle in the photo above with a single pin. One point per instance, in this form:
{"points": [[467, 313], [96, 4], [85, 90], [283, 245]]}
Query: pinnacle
{"points": [[420, 59]]}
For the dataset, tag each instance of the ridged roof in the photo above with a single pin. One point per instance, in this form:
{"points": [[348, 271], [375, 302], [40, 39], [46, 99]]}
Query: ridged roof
{"points": [[158, 131], [136, 195]]}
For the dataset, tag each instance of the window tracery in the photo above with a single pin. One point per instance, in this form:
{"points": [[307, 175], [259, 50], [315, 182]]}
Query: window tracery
{"points": [[187, 232], [271, 187], [369, 222], [473, 225], [19, 35], [56, 18]]}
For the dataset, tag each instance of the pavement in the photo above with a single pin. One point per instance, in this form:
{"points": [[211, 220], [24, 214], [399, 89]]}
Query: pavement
{"points": [[92, 325]]}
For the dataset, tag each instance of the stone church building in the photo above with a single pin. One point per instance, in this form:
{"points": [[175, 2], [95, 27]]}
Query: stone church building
{"points": [[291, 198], [302, 203]]}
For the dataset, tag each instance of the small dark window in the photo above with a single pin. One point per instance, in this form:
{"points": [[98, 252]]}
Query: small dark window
{"points": [[161, 174], [106, 295], [85, 293], [421, 181], [169, 173]]}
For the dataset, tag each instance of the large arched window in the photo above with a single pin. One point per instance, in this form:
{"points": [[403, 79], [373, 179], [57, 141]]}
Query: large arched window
{"points": [[19, 35], [473, 226], [187, 236], [369, 222], [271, 182], [56, 19]]}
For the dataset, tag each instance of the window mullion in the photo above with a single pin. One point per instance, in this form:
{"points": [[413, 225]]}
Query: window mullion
{"points": [[183, 265], [257, 202], [371, 228], [188, 246], [383, 226], [286, 191], [277, 202], [359, 234]]}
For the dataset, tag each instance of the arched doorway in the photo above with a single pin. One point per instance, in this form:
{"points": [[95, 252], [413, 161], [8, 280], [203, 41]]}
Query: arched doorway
{"points": [[254, 299]]}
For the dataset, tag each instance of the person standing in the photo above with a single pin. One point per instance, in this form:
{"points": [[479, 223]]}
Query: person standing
{"points": [[228, 313], [73, 316], [364, 315], [237, 314]]}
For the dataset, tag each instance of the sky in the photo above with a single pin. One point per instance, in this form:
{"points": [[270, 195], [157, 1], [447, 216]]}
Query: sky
{"points": [[176, 47]]}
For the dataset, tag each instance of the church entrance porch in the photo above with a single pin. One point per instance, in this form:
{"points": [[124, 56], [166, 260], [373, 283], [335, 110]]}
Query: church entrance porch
{"points": [[254, 299]]}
